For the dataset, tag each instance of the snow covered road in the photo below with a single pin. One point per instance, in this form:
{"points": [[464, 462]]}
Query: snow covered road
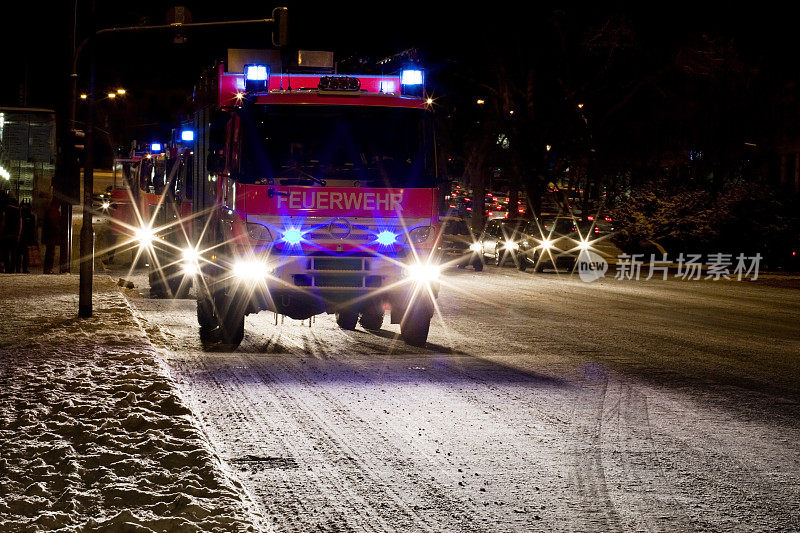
{"points": [[540, 403]]}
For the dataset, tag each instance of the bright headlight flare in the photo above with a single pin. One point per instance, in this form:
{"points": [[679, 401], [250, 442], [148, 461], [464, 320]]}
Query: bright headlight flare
{"points": [[144, 236], [293, 236], [511, 245], [252, 270], [584, 244], [190, 262], [386, 238], [105, 205], [423, 272], [475, 247], [547, 244]]}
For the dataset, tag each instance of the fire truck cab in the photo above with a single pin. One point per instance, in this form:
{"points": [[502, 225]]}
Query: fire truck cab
{"points": [[313, 193]]}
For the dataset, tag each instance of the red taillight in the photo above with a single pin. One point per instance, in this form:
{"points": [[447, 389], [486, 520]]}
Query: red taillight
{"points": [[608, 219], [521, 210], [597, 230], [590, 217], [490, 213]]}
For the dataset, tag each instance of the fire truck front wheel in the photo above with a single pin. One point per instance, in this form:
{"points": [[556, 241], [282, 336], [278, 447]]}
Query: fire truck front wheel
{"points": [[347, 319], [415, 325], [221, 325], [372, 316]]}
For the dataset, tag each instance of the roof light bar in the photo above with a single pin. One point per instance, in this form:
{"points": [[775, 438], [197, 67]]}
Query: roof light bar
{"points": [[339, 83]]}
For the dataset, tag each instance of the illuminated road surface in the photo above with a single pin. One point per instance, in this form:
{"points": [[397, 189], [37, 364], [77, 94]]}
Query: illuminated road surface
{"points": [[541, 404]]}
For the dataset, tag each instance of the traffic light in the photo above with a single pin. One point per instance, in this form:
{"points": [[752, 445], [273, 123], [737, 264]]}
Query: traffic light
{"points": [[280, 35]]}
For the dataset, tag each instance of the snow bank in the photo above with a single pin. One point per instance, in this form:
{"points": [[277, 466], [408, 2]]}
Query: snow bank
{"points": [[92, 434]]}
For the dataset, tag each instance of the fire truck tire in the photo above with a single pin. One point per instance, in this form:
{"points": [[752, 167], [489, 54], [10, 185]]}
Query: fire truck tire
{"points": [[414, 329], [372, 317], [347, 319], [157, 286], [219, 333], [180, 286]]}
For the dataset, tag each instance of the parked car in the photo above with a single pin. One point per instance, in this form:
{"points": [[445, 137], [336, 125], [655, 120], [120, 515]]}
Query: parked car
{"points": [[458, 245], [501, 239]]}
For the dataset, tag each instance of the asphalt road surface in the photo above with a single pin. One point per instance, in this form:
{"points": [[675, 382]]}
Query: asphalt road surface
{"points": [[541, 403]]}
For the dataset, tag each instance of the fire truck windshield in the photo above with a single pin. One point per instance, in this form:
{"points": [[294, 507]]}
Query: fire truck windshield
{"points": [[314, 145]]}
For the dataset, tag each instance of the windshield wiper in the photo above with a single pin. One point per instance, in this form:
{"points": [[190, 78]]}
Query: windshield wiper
{"points": [[303, 175]]}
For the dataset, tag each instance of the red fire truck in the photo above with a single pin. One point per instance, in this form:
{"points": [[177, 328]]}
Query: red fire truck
{"points": [[313, 193], [153, 211]]}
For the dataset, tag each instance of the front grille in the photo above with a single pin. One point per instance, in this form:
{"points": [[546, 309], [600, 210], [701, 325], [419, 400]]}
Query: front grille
{"points": [[312, 236], [337, 263], [339, 280]]}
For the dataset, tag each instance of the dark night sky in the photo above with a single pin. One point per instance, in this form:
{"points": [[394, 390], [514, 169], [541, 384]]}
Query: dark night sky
{"points": [[35, 36]]}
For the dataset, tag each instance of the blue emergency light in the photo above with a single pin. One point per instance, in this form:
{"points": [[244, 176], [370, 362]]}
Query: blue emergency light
{"points": [[387, 86], [256, 78], [155, 147], [411, 77], [187, 135], [412, 82]]}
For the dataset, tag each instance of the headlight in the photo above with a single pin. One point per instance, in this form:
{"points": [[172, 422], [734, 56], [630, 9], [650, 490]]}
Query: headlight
{"points": [[547, 244], [145, 237], [105, 206], [258, 232], [584, 245], [419, 235], [423, 272], [190, 262], [511, 245], [250, 270], [475, 247]]}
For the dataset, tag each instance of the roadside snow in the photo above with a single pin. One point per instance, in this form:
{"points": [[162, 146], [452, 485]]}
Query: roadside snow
{"points": [[93, 436]]}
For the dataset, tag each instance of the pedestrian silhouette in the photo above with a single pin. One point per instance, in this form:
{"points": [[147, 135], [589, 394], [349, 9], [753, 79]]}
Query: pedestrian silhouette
{"points": [[10, 233], [27, 236], [50, 233]]}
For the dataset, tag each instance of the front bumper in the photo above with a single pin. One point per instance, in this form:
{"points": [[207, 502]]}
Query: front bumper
{"points": [[303, 286]]}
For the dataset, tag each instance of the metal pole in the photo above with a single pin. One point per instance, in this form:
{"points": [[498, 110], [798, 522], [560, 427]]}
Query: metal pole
{"points": [[87, 231]]}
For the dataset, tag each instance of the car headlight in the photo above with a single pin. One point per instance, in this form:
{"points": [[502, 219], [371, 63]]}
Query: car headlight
{"points": [[423, 272], [258, 232], [475, 247], [547, 244], [510, 245], [251, 270], [584, 245]]}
